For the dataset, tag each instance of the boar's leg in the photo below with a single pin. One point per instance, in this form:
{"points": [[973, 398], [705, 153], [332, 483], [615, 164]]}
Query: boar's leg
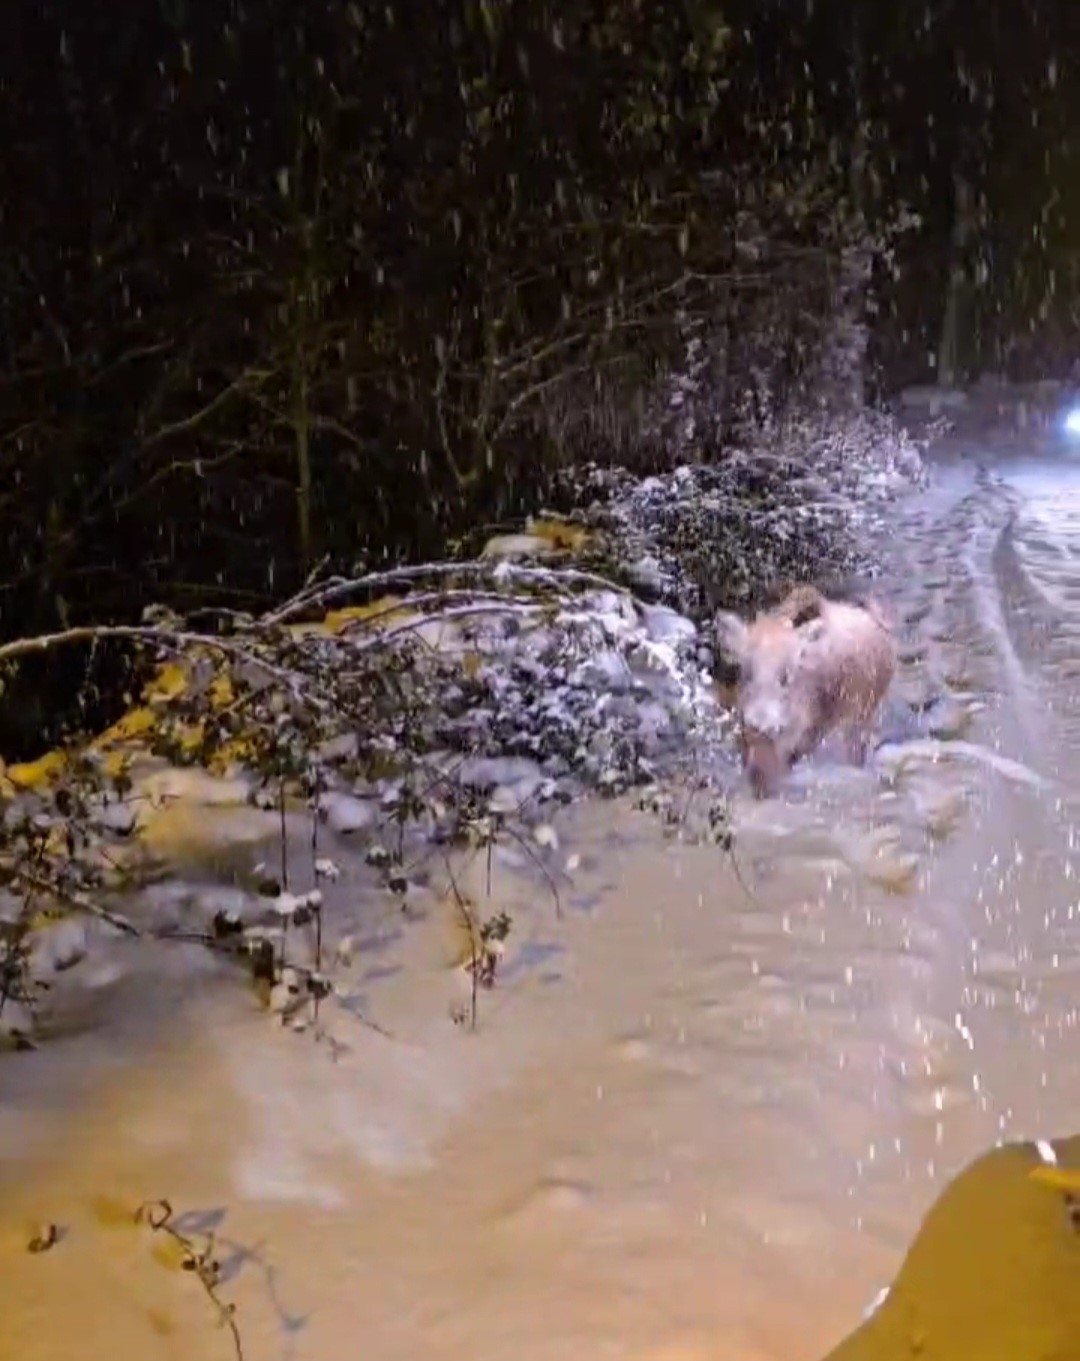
{"points": [[857, 744], [814, 734], [859, 739]]}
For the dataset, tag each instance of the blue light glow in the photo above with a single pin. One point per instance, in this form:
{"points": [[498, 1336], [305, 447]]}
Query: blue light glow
{"points": [[1072, 422]]}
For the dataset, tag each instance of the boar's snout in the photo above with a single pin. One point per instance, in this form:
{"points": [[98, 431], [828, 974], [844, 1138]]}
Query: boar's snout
{"points": [[763, 762], [765, 713]]}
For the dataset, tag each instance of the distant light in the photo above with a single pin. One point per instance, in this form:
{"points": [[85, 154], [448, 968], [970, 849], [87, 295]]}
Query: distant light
{"points": [[1072, 422]]}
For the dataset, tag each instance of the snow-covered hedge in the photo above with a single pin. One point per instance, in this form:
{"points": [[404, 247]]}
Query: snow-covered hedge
{"points": [[803, 502]]}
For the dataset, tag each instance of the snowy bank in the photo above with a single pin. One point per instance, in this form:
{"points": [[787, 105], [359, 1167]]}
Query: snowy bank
{"points": [[457, 714], [451, 718]]}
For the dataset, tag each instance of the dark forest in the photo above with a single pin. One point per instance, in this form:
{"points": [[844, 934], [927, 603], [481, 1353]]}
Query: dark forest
{"points": [[346, 282]]}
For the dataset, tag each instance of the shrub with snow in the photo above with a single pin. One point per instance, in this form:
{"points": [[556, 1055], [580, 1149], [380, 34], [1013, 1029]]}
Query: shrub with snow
{"points": [[801, 503]]}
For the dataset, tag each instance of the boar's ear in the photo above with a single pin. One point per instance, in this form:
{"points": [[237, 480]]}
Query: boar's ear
{"points": [[802, 605], [729, 635]]}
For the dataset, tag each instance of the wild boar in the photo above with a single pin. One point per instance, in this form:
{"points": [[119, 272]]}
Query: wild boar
{"points": [[806, 668]]}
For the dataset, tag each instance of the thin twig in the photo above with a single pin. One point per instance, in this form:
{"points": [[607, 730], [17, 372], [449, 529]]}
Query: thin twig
{"points": [[202, 1265], [339, 588], [79, 902], [284, 841], [170, 640], [458, 612], [415, 602], [520, 839], [469, 919]]}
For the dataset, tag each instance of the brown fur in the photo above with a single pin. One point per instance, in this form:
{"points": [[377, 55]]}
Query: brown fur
{"points": [[800, 605], [808, 667]]}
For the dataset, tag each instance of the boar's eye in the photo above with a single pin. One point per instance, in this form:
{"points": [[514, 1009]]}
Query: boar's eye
{"points": [[785, 676]]}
